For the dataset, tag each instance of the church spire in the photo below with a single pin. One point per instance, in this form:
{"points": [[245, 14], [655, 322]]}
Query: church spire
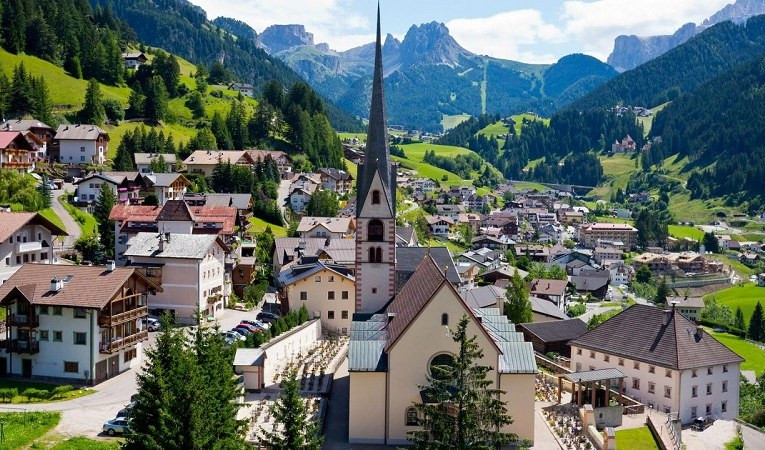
{"points": [[377, 155]]}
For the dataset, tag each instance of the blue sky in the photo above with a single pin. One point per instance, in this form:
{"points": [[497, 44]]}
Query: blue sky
{"points": [[525, 30]]}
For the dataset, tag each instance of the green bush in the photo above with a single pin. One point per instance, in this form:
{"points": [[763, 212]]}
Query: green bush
{"points": [[576, 310], [728, 328], [7, 394], [36, 394], [60, 391]]}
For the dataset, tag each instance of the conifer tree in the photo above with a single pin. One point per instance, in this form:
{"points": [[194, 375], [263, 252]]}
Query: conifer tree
{"points": [[295, 430], [739, 321], [104, 204], [221, 132], [155, 104], [756, 330], [123, 161], [323, 203], [158, 164], [21, 96], [518, 305], [93, 110], [41, 107], [464, 410], [662, 292]]}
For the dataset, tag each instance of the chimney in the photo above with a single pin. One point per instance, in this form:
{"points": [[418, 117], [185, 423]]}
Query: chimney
{"points": [[55, 284], [674, 303], [110, 265], [391, 315], [667, 316], [161, 242]]}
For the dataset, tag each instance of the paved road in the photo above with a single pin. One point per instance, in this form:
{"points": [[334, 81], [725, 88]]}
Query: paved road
{"points": [[281, 198], [71, 226]]}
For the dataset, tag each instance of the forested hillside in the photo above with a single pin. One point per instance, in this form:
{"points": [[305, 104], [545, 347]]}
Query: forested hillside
{"points": [[182, 28], [683, 69], [722, 122]]}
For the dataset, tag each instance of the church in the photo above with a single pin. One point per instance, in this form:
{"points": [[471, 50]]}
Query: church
{"points": [[398, 334]]}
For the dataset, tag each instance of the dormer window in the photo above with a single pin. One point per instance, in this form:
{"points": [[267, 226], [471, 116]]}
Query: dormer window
{"points": [[375, 197]]}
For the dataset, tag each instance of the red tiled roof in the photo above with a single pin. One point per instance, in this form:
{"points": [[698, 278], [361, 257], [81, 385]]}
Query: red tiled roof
{"points": [[10, 222], [89, 287], [218, 214], [7, 137], [134, 213]]}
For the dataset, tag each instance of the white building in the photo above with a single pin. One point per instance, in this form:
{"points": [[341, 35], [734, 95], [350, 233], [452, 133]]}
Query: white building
{"points": [[143, 161], [25, 237], [326, 227], [440, 226], [671, 364], [126, 186], [134, 60], [81, 144], [166, 186], [189, 267], [300, 195], [77, 323]]}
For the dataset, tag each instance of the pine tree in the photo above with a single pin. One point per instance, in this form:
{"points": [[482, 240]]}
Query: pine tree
{"points": [[155, 104], [103, 207], [323, 203], [464, 410], [123, 161], [756, 330], [662, 292], [200, 77], [41, 107], [518, 305], [739, 321], [196, 104], [21, 97], [158, 164], [93, 110], [221, 132], [300, 432], [236, 122]]}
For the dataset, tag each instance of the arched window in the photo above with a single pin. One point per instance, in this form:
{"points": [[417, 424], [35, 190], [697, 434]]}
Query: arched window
{"points": [[445, 320], [441, 365], [378, 255], [375, 197], [375, 231], [411, 416], [371, 254]]}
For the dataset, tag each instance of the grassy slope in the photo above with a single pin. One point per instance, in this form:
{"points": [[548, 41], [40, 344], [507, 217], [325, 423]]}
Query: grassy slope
{"points": [[745, 296], [415, 154], [51, 215], [449, 122], [21, 429], [617, 170], [754, 355], [683, 231], [86, 221], [259, 225], [647, 122], [66, 93]]}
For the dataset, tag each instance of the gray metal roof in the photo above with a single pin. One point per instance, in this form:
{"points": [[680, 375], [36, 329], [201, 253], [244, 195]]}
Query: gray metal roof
{"points": [[484, 296], [517, 357], [146, 158], [547, 308], [296, 273], [367, 356], [185, 246], [79, 132], [249, 357], [595, 375]]}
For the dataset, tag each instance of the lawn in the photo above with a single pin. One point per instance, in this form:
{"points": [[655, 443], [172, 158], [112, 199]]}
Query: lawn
{"points": [[66, 92], [432, 172], [180, 133], [745, 296], [21, 429], [685, 231], [81, 443], [603, 219], [453, 247], [636, 439], [259, 225], [351, 169], [754, 355], [23, 385], [414, 161], [51, 215], [86, 221], [740, 268], [417, 151]]}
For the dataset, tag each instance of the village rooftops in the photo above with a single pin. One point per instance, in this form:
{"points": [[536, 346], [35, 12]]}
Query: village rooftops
{"points": [[238, 201], [556, 331], [263, 154], [336, 174], [546, 308], [549, 287], [301, 271], [686, 302], [137, 56], [79, 132], [332, 224], [609, 227], [83, 286], [211, 157], [171, 245], [147, 158], [338, 250], [23, 125], [10, 222], [663, 338], [9, 137]]}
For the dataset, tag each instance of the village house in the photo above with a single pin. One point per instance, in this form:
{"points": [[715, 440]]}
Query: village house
{"points": [[572, 217], [591, 283], [501, 244], [74, 323], [690, 307], [535, 252], [451, 211], [550, 290], [25, 237], [16, 153], [550, 233], [325, 289], [485, 259], [335, 180], [143, 161], [552, 336], [424, 185], [190, 269], [682, 263], [478, 202], [37, 134], [326, 227], [246, 89], [626, 145], [440, 226], [621, 273], [204, 161], [126, 186], [603, 255], [282, 159], [670, 363], [506, 221], [300, 194], [591, 234], [406, 237], [289, 249], [81, 144], [166, 186], [242, 203], [134, 60], [504, 272], [471, 220]]}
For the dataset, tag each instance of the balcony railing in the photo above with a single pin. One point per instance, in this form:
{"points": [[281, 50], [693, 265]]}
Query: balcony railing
{"points": [[127, 316], [22, 346], [120, 343], [22, 320]]}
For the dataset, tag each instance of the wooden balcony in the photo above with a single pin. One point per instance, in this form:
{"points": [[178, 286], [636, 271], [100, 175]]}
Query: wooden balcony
{"points": [[106, 321], [121, 343], [22, 320], [20, 346]]}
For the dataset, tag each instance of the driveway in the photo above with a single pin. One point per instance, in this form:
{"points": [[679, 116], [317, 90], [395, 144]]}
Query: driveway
{"points": [[71, 226], [281, 197]]}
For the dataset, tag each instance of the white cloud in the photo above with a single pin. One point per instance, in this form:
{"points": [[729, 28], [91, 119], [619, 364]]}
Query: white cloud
{"points": [[595, 24], [331, 21], [505, 35]]}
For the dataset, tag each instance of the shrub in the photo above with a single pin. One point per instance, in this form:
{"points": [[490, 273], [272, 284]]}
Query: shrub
{"points": [[7, 394], [36, 394], [728, 328], [113, 109], [576, 310], [59, 391]]}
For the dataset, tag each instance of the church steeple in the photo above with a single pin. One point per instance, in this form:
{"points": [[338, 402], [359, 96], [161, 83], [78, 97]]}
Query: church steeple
{"points": [[377, 155]]}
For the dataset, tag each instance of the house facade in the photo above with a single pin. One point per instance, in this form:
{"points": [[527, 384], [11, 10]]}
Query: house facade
{"points": [[203, 162], [326, 227], [190, 267], [74, 323], [143, 160], [591, 234], [81, 144], [335, 180], [25, 237], [671, 364], [16, 153]]}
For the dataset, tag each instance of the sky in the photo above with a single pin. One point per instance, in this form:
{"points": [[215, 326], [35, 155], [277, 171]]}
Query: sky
{"points": [[533, 31]]}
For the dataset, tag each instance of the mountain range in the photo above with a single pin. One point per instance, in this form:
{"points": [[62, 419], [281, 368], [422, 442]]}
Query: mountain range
{"points": [[430, 75], [632, 51]]}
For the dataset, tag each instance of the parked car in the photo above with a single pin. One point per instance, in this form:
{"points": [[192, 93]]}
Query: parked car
{"points": [[233, 335], [116, 426], [251, 328], [258, 323], [152, 324], [124, 414], [267, 317], [242, 330]]}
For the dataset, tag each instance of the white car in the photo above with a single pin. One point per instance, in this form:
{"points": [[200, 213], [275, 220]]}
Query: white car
{"points": [[152, 324]]}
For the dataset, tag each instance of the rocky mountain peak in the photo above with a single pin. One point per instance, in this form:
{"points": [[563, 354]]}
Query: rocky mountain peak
{"points": [[431, 43], [277, 38]]}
